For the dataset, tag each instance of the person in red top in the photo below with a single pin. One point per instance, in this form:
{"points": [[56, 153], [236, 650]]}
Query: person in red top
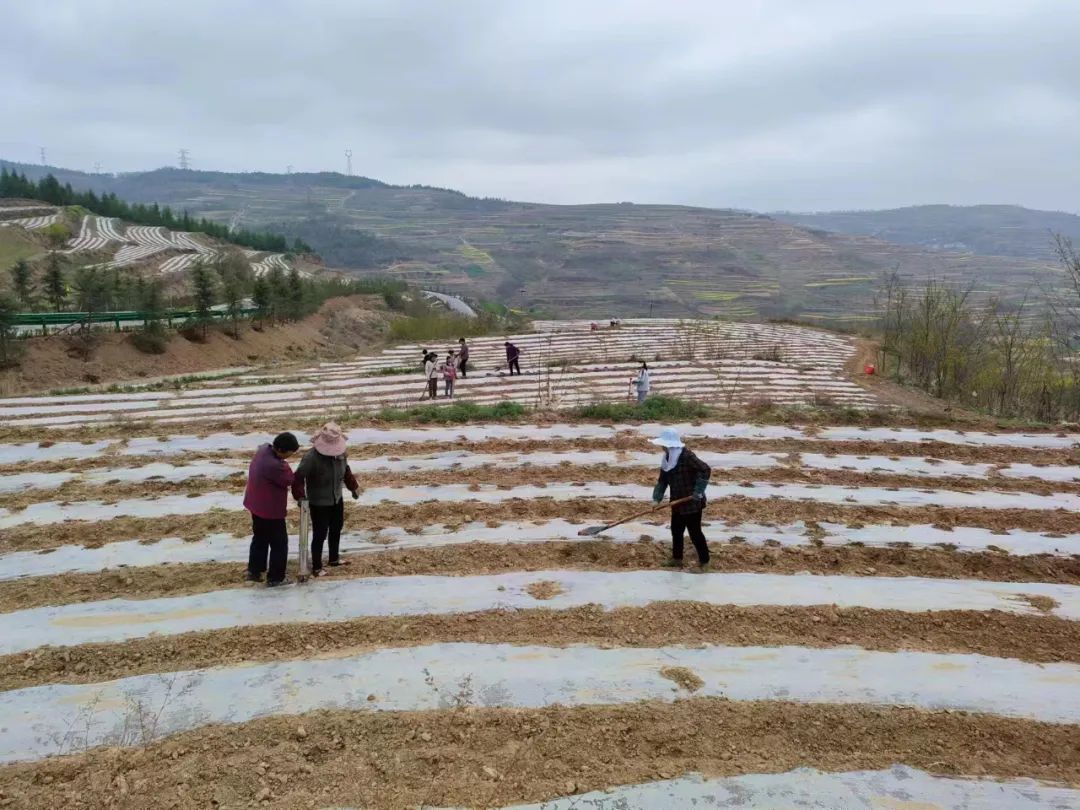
{"points": [[267, 498]]}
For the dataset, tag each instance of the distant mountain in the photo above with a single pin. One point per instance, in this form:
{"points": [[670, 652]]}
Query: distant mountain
{"points": [[992, 230], [571, 260]]}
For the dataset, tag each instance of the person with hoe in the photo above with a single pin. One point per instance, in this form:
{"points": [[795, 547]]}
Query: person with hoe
{"points": [[687, 476], [266, 496], [513, 355], [321, 475], [463, 358]]}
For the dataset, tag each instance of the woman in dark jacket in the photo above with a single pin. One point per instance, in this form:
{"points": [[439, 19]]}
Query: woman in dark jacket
{"points": [[320, 477], [687, 476]]}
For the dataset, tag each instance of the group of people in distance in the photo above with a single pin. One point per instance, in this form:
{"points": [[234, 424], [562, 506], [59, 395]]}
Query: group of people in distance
{"points": [[324, 473], [455, 365]]}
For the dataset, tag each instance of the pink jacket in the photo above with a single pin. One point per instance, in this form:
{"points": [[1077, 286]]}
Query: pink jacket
{"points": [[268, 482]]}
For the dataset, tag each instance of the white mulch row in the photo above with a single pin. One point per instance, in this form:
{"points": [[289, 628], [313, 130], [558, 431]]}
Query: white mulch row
{"points": [[329, 600], [728, 372], [913, 466], [52, 512], [898, 788], [225, 548], [34, 223], [603, 384], [59, 718], [247, 442]]}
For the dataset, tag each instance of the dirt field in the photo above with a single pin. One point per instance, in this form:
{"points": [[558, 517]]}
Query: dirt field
{"points": [[876, 596]]}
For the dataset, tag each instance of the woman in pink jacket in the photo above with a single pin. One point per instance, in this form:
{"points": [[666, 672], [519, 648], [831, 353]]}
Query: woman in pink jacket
{"points": [[267, 498]]}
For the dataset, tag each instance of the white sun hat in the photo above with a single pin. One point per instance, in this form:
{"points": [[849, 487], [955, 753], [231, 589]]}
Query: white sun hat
{"points": [[669, 437]]}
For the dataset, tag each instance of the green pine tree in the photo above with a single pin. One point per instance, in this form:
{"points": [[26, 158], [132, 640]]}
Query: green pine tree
{"points": [[55, 286], [22, 282], [260, 294], [279, 293], [9, 307], [203, 291], [91, 292], [295, 295]]}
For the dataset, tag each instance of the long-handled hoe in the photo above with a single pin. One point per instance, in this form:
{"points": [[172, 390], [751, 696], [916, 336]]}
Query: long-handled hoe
{"points": [[589, 531]]}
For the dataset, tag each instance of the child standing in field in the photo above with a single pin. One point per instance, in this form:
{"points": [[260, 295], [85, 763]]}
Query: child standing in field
{"points": [[450, 374]]}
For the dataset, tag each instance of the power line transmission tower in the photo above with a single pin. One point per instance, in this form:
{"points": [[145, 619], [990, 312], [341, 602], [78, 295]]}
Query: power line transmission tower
{"points": [[184, 162], [42, 151], [97, 168], [348, 162], [288, 169]]}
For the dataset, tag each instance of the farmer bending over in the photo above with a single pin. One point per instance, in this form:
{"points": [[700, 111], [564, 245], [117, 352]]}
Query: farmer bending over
{"points": [[267, 498], [686, 475], [513, 355]]}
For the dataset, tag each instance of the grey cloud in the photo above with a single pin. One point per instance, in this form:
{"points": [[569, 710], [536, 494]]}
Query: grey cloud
{"points": [[782, 104]]}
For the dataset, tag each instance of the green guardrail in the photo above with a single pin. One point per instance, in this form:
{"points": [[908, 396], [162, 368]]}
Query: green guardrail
{"points": [[45, 320]]}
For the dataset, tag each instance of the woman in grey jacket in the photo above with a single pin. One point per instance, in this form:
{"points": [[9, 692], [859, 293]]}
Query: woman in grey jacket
{"points": [[320, 477]]}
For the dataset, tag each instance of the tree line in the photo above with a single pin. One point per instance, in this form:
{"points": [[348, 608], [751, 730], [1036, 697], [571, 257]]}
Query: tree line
{"points": [[222, 289], [1017, 359], [50, 190]]}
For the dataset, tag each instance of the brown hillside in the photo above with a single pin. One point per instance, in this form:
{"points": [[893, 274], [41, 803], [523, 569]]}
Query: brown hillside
{"points": [[342, 326]]}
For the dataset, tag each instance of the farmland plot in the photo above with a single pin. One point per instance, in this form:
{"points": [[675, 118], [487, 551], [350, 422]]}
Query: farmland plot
{"points": [[892, 616], [723, 364]]}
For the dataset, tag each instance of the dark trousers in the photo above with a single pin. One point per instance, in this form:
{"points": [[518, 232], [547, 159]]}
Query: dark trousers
{"points": [[463, 367], [514, 365], [691, 522], [268, 537], [326, 521], [433, 388]]}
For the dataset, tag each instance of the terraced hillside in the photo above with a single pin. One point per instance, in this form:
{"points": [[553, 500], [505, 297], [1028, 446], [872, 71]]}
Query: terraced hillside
{"points": [[584, 260], [564, 364], [996, 230], [892, 607], [115, 244]]}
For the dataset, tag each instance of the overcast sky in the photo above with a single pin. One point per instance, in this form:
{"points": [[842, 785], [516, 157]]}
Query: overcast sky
{"points": [[777, 104]]}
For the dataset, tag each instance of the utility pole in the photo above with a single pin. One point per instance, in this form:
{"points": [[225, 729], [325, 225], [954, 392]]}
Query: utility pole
{"points": [[42, 151], [185, 164], [348, 162]]}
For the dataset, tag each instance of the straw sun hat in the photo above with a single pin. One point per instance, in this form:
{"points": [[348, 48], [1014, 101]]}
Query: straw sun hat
{"points": [[329, 440]]}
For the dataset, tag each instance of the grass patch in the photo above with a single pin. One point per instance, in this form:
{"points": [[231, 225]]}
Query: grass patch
{"points": [[658, 408], [475, 255], [450, 326], [839, 282], [454, 413], [15, 244]]}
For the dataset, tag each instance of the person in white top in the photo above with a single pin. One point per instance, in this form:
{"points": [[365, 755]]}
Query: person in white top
{"points": [[643, 382], [431, 371]]}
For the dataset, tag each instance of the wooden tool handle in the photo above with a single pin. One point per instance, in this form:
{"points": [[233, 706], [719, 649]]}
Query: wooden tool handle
{"points": [[649, 511]]}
